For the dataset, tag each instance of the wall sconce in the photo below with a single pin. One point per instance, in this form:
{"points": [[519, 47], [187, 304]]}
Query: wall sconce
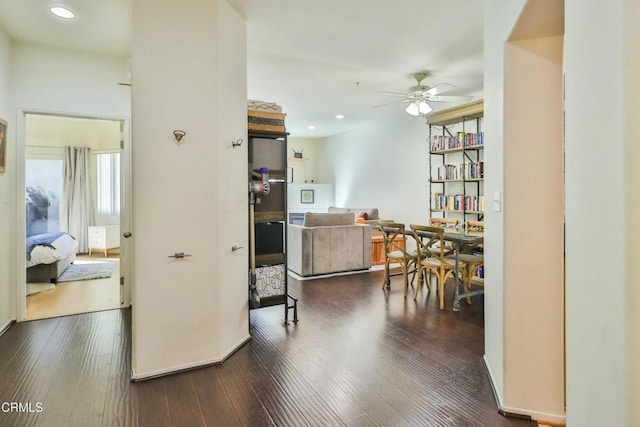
{"points": [[178, 135]]}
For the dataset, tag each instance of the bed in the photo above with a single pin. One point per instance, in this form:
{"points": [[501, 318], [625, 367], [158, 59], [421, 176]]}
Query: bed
{"points": [[48, 255]]}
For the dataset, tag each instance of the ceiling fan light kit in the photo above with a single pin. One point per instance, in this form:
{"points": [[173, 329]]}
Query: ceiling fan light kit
{"points": [[418, 107], [419, 96]]}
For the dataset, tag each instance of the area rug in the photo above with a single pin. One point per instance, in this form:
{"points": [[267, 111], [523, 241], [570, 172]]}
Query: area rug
{"points": [[36, 288], [96, 270]]}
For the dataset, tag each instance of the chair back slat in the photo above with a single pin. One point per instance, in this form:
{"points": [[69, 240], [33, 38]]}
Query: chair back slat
{"points": [[444, 222], [473, 228], [390, 233], [430, 240]]}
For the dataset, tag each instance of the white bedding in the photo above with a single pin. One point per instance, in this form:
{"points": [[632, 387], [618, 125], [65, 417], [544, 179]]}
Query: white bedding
{"points": [[62, 247]]}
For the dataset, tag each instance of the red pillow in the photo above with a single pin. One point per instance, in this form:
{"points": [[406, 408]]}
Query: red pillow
{"points": [[364, 215]]}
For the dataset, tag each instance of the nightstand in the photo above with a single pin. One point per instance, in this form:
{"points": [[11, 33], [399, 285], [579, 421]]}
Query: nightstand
{"points": [[104, 238]]}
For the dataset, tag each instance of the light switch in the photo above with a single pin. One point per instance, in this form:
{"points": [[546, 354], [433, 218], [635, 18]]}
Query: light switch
{"points": [[497, 201]]}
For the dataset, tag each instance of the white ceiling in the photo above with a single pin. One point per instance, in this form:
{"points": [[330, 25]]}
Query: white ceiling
{"points": [[314, 58]]}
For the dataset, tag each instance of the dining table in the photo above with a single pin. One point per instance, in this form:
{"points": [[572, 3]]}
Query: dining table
{"points": [[460, 241]]}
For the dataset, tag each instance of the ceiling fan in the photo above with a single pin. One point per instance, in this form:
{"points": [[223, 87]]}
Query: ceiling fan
{"points": [[418, 97]]}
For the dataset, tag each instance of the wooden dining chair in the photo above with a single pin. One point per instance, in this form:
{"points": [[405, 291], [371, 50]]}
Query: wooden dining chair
{"points": [[433, 261], [444, 222], [473, 256], [449, 224], [395, 251]]}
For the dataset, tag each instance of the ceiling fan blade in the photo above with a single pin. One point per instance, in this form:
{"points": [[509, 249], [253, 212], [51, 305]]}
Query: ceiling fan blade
{"points": [[439, 98], [392, 102], [393, 93], [441, 88]]}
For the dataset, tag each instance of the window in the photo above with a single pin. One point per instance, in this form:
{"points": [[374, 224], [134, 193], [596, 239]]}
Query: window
{"points": [[43, 182], [108, 183]]}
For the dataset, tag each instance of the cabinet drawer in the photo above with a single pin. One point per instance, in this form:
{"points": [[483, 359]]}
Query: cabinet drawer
{"points": [[97, 232], [97, 243]]}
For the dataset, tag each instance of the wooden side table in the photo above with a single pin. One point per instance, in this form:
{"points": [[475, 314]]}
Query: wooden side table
{"points": [[377, 247]]}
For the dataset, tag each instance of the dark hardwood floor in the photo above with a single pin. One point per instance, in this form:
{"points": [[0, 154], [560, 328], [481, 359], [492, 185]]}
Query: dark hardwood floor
{"points": [[357, 357]]}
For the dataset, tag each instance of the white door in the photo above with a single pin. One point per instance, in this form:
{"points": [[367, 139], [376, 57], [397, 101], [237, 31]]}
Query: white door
{"points": [[125, 215]]}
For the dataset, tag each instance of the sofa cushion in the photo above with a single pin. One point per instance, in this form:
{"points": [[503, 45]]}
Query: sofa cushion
{"points": [[312, 219], [372, 213]]}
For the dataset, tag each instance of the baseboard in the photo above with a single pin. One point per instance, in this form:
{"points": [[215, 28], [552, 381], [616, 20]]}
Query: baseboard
{"points": [[513, 412], [496, 395], [189, 366], [341, 273], [552, 419], [546, 423], [6, 326]]}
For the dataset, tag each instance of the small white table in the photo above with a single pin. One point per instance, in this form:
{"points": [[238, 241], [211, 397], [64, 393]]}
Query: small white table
{"points": [[104, 238]]}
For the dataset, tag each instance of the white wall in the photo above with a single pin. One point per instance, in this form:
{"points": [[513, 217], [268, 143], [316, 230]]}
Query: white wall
{"points": [[190, 74], [322, 198], [307, 169], [632, 181], [524, 239], [55, 131], [499, 18], [384, 166], [598, 136], [533, 212], [7, 193], [69, 81]]}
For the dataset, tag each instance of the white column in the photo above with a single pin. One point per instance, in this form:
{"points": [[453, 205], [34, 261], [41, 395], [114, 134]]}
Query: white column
{"points": [[524, 229], [188, 73], [533, 229], [598, 203]]}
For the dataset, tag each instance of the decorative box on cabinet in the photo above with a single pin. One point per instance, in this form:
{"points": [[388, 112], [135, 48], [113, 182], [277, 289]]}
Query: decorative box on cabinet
{"points": [[104, 238]]}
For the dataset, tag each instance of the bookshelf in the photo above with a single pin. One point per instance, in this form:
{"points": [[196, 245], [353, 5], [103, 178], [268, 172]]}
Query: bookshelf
{"points": [[456, 162]]}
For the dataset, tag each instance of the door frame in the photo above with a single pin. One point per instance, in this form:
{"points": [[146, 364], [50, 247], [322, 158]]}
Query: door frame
{"points": [[125, 194]]}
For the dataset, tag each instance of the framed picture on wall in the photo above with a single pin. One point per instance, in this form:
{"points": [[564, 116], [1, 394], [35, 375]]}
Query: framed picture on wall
{"points": [[3, 145], [306, 196]]}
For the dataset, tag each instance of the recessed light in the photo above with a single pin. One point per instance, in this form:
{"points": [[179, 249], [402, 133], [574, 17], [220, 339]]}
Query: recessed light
{"points": [[62, 12], [312, 127], [340, 116]]}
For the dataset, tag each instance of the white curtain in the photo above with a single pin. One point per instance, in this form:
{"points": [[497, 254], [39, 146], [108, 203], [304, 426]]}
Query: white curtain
{"points": [[77, 208]]}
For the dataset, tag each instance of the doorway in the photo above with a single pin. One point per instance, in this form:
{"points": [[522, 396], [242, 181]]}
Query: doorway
{"points": [[75, 189]]}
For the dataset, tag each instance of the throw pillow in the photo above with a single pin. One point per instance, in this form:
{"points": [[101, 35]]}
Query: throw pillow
{"points": [[364, 216]]}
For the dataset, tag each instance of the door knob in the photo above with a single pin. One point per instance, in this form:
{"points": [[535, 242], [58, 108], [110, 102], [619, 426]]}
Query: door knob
{"points": [[126, 234]]}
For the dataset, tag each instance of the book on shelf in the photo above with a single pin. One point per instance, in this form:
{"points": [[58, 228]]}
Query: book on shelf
{"points": [[457, 202], [473, 140], [474, 170], [470, 170], [460, 140]]}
